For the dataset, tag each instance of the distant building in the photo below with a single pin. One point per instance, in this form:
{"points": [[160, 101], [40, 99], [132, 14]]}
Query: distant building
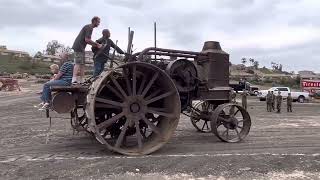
{"points": [[6, 52], [310, 75]]}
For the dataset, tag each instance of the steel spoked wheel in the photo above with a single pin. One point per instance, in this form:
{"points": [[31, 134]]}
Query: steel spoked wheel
{"points": [[136, 109], [201, 116], [230, 123]]}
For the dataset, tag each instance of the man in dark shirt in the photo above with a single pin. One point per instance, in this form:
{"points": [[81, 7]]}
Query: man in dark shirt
{"points": [[79, 47], [279, 101], [100, 58]]}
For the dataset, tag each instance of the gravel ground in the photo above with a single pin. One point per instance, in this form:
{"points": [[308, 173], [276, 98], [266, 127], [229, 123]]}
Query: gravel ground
{"points": [[279, 146]]}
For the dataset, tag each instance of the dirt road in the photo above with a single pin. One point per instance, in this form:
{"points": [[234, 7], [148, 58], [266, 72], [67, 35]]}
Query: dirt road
{"points": [[279, 146]]}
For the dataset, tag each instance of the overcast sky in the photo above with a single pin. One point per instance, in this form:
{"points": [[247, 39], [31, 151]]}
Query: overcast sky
{"points": [[286, 31]]}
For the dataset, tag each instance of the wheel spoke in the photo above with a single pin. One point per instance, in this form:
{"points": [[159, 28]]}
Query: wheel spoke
{"points": [[118, 86], [134, 80], [238, 134], [169, 115], [231, 111], [122, 134], [101, 88], [151, 125], [138, 134], [236, 112], [110, 121], [107, 106], [114, 91], [207, 125], [153, 94], [203, 125], [223, 119], [143, 82], [107, 101], [227, 133], [126, 77], [160, 97], [154, 77]]}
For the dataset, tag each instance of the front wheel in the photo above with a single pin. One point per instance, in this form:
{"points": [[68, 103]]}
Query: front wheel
{"points": [[301, 99], [230, 123]]}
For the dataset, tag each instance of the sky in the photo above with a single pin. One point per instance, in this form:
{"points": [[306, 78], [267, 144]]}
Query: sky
{"points": [[285, 32]]}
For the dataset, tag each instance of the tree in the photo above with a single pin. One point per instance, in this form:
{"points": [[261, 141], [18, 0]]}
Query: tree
{"points": [[274, 66], [53, 47], [244, 61], [251, 60], [280, 68], [256, 64], [38, 55], [63, 49]]}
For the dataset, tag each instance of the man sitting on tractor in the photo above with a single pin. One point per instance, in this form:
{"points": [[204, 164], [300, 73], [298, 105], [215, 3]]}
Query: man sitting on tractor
{"points": [[63, 78]]}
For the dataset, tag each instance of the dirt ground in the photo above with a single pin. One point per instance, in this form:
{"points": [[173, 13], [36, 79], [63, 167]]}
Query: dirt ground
{"points": [[279, 146]]}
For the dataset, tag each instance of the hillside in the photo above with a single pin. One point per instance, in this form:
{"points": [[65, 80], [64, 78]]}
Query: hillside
{"points": [[22, 65]]}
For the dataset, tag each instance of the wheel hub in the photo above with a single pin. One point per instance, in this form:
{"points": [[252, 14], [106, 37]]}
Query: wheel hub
{"points": [[232, 123], [134, 107]]}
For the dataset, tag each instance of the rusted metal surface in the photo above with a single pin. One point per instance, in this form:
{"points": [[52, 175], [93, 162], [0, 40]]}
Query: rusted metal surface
{"points": [[9, 84]]}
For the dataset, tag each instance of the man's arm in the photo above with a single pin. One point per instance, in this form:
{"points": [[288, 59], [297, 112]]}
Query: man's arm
{"points": [[58, 76], [87, 39], [114, 46]]}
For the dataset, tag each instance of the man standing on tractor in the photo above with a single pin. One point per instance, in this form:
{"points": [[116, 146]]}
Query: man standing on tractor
{"points": [[101, 58], [79, 47]]}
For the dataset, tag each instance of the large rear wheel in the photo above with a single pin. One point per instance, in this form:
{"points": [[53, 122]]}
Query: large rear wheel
{"points": [[134, 109]]}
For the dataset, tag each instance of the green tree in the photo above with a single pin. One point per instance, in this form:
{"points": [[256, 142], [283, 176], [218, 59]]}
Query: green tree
{"points": [[251, 60], [244, 61], [256, 64], [38, 55], [53, 47]]}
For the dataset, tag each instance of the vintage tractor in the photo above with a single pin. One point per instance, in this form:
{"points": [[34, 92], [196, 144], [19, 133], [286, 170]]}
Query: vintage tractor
{"points": [[135, 108]]}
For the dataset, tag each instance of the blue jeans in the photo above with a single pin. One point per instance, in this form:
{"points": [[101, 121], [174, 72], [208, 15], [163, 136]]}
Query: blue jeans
{"points": [[46, 92], [98, 68]]}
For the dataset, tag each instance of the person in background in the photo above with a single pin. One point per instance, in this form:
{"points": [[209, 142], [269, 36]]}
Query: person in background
{"points": [[279, 101], [273, 101], [63, 78], [269, 101], [244, 99], [102, 58], [289, 103], [79, 46], [54, 68], [233, 96]]}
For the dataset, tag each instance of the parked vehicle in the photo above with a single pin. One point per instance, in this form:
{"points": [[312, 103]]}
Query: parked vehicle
{"points": [[297, 96], [243, 85]]}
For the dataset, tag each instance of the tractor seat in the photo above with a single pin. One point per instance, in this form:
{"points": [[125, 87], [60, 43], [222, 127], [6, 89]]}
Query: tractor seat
{"points": [[72, 88]]}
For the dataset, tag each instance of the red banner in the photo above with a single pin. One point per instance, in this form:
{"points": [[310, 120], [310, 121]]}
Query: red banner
{"points": [[311, 84]]}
